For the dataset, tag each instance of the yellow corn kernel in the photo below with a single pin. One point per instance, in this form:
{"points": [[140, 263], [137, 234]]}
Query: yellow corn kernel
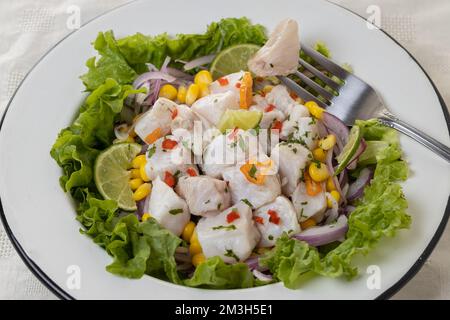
{"points": [[135, 183], [168, 91], [204, 89], [135, 173], [198, 258], [181, 96], [192, 93], [330, 184], [139, 161], [203, 77], [307, 223], [267, 89], [146, 216], [188, 231], [336, 197], [318, 171], [319, 154], [194, 237], [141, 192], [328, 142], [195, 248], [143, 174], [314, 109]]}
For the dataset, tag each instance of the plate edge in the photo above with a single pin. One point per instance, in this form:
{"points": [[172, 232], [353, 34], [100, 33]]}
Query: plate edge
{"points": [[62, 294]]}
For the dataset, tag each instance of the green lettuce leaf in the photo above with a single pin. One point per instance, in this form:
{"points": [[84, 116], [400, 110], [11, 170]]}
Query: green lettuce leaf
{"points": [[139, 49], [140, 248], [216, 274], [77, 146], [123, 59], [380, 213], [98, 216], [110, 64]]}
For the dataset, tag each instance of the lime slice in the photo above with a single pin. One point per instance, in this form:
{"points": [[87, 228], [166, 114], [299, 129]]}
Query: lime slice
{"points": [[243, 119], [111, 174], [232, 59], [347, 153]]}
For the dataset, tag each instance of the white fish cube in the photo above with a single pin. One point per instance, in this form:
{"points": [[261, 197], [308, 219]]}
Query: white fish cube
{"points": [[279, 55], [232, 241], [291, 159], [234, 147], [159, 116], [269, 116], [170, 210], [305, 131], [160, 160], [204, 195], [242, 189], [280, 98], [307, 206], [272, 228], [213, 106], [232, 80]]}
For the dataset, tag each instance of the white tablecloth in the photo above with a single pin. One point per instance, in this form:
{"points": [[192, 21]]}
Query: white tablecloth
{"points": [[28, 28]]}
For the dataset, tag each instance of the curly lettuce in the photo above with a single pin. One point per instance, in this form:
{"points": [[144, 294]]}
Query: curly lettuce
{"points": [[124, 58], [380, 213]]}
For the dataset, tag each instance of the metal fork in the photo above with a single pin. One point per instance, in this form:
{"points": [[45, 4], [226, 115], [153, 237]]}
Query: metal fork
{"points": [[355, 99]]}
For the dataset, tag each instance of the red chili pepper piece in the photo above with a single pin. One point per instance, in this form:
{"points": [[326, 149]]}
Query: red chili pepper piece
{"points": [[223, 81], [191, 172], [269, 108], [233, 215], [277, 125], [273, 217], [169, 144], [169, 179], [259, 220]]}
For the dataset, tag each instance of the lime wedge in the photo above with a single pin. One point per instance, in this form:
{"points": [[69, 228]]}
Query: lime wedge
{"points": [[232, 59], [347, 153], [111, 174], [243, 119]]}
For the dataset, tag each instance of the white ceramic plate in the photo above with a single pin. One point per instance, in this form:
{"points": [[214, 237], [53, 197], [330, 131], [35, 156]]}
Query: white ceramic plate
{"points": [[39, 217]]}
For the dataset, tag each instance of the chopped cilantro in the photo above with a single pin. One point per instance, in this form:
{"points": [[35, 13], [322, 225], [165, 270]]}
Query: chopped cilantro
{"points": [[174, 212], [247, 202], [231, 254], [228, 228]]}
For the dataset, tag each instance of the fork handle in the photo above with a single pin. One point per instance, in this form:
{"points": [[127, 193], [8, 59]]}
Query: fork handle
{"points": [[429, 142]]}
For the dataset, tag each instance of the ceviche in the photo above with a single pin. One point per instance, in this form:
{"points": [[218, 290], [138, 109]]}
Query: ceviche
{"points": [[189, 161]]}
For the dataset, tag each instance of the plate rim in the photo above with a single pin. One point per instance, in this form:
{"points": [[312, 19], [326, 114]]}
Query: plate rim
{"points": [[62, 294]]}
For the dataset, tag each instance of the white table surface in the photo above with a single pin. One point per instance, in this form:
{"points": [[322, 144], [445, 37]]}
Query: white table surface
{"points": [[29, 28]]}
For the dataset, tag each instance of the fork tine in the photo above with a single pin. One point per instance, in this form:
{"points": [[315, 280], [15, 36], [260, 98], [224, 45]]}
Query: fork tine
{"points": [[319, 89], [302, 93], [327, 64], [319, 75]]}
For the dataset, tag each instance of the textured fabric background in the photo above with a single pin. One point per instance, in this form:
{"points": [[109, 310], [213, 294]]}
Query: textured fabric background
{"points": [[28, 28]]}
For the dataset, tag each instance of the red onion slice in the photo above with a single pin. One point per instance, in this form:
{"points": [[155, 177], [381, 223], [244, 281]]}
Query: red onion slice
{"points": [[318, 236], [140, 207], [253, 264], [337, 126], [199, 62], [262, 276], [179, 74], [323, 131], [332, 213], [356, 189], [152, 75]]}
